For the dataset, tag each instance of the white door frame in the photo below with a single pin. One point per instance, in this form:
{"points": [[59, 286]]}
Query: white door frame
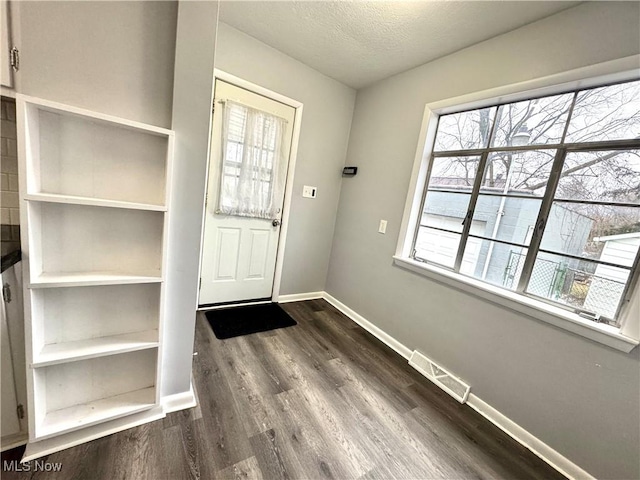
{"points": [[288, 192]]}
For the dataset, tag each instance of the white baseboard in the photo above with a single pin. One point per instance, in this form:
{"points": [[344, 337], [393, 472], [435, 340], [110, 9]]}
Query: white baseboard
{"points": [[515, 431], [522, 436], [380, 334], [299, 297], [179, 401]]}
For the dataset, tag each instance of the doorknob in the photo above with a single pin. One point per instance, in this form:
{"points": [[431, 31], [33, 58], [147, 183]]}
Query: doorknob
{"points": [[275, 223]]}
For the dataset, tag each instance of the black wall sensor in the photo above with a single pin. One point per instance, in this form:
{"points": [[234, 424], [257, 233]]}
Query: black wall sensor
{"points": [[349, 171]]}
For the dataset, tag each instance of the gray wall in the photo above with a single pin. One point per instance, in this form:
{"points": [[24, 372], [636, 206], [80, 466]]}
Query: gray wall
{"points": [[326, 120], [112, 57], [193, 93], [580, 397]]}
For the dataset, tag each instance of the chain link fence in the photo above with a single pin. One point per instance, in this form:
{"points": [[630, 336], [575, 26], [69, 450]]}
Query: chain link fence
{"points": [[566, 284]]}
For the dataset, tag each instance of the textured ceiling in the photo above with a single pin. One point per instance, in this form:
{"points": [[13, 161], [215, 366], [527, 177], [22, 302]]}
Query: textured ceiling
{"points": [[361, 42]]}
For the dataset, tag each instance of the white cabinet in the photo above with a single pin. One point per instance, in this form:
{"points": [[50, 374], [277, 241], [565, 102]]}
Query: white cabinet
{"points": [[6, 44], [10, 422], [14, 388], [94, 205], [12, 353]]}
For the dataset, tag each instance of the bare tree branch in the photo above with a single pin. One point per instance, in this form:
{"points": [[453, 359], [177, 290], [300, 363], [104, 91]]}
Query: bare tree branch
{"points": [[590, 163]]}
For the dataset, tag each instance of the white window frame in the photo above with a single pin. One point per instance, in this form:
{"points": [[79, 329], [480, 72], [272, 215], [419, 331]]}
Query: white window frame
{"points": [[623, 338]]}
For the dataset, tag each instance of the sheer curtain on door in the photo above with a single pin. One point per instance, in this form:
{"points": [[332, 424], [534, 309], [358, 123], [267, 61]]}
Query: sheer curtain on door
{"points": [[253, 172]]}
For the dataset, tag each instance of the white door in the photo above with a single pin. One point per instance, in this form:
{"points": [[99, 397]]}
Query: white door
{"points": [[239, 252]]}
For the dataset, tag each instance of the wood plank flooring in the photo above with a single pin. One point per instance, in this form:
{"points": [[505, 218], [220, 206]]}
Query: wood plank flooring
{"points": [[321, 400]]}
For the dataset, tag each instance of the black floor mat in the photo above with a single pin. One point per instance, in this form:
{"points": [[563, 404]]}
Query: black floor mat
{"points": [[238, 321]]}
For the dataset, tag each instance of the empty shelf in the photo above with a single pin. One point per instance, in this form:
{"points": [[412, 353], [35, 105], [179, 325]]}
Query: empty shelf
{"points": [[95, 347], [96, 202], [86, 414]]}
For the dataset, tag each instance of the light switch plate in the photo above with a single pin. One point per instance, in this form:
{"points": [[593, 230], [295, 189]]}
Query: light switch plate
{"points": [[309, 192], [383, 227]]}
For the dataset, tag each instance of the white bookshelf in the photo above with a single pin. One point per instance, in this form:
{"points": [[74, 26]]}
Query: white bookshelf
{"points": [[78, 394], [94, 212]]}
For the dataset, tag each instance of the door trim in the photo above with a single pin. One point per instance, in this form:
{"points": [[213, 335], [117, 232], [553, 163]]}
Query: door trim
{"points": [[288, 192]]}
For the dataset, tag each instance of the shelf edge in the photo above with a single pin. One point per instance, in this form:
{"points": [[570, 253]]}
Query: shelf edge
{"points": [[91, 283], [77, 111], [92, 202], [89, 356]]}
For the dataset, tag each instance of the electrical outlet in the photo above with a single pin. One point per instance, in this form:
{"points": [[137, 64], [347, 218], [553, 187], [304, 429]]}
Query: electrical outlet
{"points": [[383, 227], [309, 192]]}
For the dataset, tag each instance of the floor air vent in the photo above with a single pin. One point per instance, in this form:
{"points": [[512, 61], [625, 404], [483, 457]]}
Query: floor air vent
{"points": [[438, 375]]}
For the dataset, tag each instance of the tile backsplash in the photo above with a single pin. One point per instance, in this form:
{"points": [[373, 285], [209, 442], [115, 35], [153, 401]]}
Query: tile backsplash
{"points": [[9, 203]]}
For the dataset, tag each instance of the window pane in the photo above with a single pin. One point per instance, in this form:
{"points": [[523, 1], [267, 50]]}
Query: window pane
{"points": [[578, 283], [453, 172], [234, 153], [445, 210], [600, 232], [505, 218], [232, 170], [612, 175], [526, 172], [437, 246], [493, 262], [607, 113], [237, 123], [532, 122], [465, 130]]}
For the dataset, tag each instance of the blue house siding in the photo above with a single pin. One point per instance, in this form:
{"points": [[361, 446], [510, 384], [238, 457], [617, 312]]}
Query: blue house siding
{"points": [[516, 223]]}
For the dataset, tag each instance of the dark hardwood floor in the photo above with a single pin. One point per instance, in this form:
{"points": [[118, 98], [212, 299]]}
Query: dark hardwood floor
{"points": [[323, 399]]}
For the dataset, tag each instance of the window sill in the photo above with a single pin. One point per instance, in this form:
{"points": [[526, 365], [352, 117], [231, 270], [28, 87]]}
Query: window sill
{"points": [[604, 334]]}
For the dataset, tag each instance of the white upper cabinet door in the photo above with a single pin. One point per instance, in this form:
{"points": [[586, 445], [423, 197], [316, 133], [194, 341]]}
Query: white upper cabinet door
{"points": [[6, 70]]}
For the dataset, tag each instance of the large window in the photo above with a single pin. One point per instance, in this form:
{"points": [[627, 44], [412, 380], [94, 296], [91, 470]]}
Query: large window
{"points": [[540, 197]]}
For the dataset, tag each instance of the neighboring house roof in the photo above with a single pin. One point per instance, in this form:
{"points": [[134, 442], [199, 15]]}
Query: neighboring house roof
{"points": [[620, 236], [451, 181], [453, 184]]}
